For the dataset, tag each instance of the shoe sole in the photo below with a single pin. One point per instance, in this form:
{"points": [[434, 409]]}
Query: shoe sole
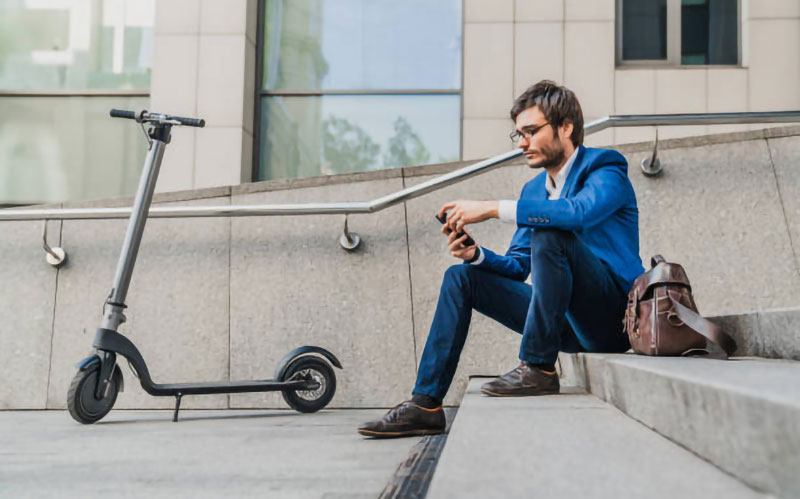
{"points": [[398, 434], [518, 394]]}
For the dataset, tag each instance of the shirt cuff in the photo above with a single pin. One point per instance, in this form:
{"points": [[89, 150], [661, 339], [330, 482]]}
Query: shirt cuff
{"points": [[479, 255], [507, 211]]}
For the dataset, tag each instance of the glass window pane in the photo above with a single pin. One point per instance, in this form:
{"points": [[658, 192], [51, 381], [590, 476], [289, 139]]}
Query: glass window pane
{"points": [[311, 136], [644, 30], [56, 149], [709, 32], [362, 44], [76, 44]]}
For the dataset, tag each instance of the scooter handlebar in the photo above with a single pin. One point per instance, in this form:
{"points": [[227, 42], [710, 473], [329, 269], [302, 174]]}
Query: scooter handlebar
{"points": [[198, 122], [119, 113], [143, 116]]}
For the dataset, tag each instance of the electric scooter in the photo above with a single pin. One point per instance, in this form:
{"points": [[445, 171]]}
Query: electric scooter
{"points": [[304, 376]]}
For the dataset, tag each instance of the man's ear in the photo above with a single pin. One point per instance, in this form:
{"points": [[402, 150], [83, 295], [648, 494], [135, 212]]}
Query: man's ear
{"points": [[566, 127]]}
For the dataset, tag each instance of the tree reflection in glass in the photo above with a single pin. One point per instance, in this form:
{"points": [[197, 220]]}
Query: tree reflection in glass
{"points": [[347, 148], [326, 135], [405, 148]]}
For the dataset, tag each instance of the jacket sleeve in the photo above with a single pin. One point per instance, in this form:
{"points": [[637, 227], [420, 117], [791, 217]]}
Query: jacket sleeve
{"points": [[604, 191], [516, 263]]}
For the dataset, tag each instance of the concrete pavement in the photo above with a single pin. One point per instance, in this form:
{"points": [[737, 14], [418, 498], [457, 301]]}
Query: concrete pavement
{"points": [[213, 453]]}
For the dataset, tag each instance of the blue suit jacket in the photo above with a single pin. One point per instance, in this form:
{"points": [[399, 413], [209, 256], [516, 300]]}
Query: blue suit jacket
{"points": [[597, 204]]}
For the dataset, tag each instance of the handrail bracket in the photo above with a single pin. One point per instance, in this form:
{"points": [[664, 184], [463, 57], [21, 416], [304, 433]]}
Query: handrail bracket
{"points": [[651, 166], [349, 241], [55, 256]]}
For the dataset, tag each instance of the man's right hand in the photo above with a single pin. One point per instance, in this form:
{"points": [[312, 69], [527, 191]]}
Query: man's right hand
{"points": [[456, 246]]}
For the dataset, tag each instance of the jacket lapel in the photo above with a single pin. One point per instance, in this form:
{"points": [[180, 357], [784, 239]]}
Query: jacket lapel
{"points": [[574, 172], [539, 190]]}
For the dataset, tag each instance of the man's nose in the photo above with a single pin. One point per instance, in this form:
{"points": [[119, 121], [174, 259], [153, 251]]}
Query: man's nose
{"points": [[523, 143]]}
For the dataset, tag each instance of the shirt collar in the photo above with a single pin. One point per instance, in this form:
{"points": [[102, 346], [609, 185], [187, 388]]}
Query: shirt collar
{"points": [[561, 176]]}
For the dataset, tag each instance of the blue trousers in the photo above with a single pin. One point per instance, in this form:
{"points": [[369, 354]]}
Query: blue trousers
{"points": [[573, 304]]}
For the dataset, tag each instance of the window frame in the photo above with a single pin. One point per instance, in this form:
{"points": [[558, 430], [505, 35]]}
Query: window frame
{"points": [[673, 59], [261, 93]]}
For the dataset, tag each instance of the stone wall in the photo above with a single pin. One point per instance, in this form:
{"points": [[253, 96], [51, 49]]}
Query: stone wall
{"points": [[226, 298]]}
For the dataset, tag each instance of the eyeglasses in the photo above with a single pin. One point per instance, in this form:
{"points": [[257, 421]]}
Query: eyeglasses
{"points": [[528, 132]]}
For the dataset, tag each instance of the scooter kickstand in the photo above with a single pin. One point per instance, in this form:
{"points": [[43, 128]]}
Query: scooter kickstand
{"points": [[177, 407]]}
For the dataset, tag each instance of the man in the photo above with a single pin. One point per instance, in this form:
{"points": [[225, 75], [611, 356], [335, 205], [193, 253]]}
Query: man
{"points": [[577, 236]]}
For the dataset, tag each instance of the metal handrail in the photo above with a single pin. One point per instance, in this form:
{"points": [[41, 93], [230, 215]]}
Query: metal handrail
{"points": [[626, 120], [347, 208]]}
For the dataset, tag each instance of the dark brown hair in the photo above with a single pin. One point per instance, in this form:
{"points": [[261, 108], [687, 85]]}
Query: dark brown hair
{"points": [[557, 103]]}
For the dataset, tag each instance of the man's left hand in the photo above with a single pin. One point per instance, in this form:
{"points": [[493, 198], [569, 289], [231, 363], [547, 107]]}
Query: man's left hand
{"points": [[463, 212]]}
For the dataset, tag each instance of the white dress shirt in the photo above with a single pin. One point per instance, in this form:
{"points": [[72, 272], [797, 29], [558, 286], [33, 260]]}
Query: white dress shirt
{"points": [[507, 209]]}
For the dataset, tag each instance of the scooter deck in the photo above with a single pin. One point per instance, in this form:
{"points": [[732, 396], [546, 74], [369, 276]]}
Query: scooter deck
{"points": [[178, 390], [212, 387]]}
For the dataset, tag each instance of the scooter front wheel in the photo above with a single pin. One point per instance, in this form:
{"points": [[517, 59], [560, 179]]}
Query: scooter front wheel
{"points": [[312, 369], [83, 405]]}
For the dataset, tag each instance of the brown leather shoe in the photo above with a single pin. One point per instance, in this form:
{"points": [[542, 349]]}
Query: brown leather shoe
{"points": [[406, 420], [524, 380]]}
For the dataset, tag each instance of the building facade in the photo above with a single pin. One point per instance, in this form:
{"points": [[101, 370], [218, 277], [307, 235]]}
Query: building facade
{"points": [[299, 88]]}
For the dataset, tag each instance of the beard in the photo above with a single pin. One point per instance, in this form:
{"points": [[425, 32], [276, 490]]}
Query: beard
{"points": [[553, 153]]}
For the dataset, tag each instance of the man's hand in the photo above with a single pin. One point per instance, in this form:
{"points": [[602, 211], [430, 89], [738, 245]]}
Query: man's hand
{"points": [[456, 245], [462, 213]]}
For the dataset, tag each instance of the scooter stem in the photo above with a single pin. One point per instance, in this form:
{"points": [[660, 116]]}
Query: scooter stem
{"points": [[113, 312]]}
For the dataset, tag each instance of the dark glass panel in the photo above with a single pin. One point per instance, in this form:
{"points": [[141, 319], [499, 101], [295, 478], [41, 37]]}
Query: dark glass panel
{"points": [[644, 30], [709, 32]]}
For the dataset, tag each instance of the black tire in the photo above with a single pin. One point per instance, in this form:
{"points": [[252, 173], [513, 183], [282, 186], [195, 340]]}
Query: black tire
{"points": [[82, 404], [307, 400]]}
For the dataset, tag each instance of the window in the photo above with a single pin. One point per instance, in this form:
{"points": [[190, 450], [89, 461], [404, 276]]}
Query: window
{"points": [[677, 32], [63, 65], [357, 85], [75, 44], [67, 148]]}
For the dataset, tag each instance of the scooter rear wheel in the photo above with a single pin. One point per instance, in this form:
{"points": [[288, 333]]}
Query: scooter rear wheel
{"points": [[82, 404], [311, 368]]}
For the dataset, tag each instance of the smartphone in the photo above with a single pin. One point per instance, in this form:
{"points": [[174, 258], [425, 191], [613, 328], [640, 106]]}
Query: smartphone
{"points": [[467, 242]]}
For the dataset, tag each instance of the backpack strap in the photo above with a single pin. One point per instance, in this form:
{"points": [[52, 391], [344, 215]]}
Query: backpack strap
{"points": [[703, 326]]}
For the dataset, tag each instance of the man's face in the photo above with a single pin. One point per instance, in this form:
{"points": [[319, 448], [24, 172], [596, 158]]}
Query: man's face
{"points": [[543, 149]]}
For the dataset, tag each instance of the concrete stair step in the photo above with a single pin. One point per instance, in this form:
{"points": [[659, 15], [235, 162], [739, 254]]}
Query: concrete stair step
{"points": [[568, 445], [773, 333], [742, 415]]}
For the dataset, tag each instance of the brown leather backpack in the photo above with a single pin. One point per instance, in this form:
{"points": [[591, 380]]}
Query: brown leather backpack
{"points": [[662, 318]]}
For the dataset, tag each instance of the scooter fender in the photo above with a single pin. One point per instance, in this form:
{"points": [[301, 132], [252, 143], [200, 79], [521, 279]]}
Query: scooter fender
{"points": [[91, 360], [87, 362], [303, 352]]}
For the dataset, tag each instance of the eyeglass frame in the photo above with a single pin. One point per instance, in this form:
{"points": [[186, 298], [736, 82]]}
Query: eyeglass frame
{"points": [[516, 135]]}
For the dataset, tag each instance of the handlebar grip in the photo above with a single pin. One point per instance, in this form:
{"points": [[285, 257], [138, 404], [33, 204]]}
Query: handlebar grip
{"points": [[120, 113], [198, 122], [146, 117]]}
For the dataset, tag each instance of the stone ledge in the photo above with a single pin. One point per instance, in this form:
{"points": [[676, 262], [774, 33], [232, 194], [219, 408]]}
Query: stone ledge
{"points": [[323, 180], [706, 140], [160, 197], [773, 334]]}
